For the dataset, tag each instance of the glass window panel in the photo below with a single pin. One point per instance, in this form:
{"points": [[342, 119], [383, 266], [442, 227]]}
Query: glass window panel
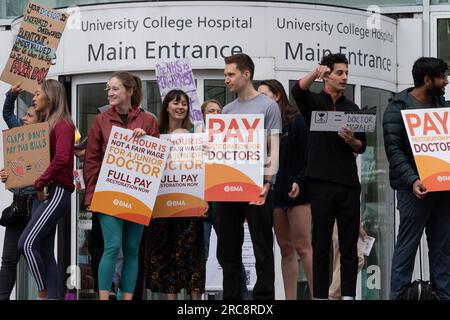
{"points": [[443, 39], [89, 98], [216, 89], [440, 1], [14, 8], [377, 201], [152, 98]]}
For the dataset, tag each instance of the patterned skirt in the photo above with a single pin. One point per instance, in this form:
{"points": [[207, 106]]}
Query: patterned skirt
{"points": [[175, 255]]}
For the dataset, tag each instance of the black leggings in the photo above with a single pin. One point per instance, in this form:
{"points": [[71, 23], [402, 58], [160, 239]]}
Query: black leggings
{"points": [[37, 240]]}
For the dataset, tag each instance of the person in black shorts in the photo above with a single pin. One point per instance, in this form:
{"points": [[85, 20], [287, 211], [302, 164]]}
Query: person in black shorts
{"points": [[292, 211]]}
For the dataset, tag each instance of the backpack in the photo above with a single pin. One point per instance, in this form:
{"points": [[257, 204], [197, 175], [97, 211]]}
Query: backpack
{"points": [[418, 290]]}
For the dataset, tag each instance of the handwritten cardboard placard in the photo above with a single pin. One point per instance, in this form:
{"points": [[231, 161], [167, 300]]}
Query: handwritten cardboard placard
{"points": [[34, 47], [26, 154], [177, 74], [130, 175]]}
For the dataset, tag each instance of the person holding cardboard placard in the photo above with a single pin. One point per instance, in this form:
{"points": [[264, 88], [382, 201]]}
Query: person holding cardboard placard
{"points": [[418, 208], [53, 189], [176, 252], [124, 96], [23, 199], [215, 107], [239, 70], [333, 184]]}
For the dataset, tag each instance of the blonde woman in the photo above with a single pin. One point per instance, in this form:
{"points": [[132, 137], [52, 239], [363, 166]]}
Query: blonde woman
{"points": [[53, 189]]}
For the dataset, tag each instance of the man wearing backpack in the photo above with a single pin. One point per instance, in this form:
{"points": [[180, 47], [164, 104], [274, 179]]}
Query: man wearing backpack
{"points": [[418, 208]]}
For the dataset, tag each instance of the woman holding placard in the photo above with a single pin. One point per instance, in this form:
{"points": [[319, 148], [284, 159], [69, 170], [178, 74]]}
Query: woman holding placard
{"points": [[292, 211], [176, 253], [23, 200], [124, 96], [53, 189]]}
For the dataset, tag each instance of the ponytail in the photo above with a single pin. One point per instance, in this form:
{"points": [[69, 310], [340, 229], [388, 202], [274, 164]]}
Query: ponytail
{"points": [[131, 81]]}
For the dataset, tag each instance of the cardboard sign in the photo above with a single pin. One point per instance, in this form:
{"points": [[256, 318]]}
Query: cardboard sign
{"points": [[34, 47], [130, 176], [429, 137], [181, 192], [335, 120], [178, 74], [26, 154], [234, 166]]}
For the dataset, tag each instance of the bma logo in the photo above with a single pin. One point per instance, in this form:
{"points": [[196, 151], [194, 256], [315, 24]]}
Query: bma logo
{"points": [[175, 203], [120, 203], [233, 189]]}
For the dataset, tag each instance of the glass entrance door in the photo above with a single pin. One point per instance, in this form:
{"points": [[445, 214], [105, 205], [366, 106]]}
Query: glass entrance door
{"points": [[89, 94], [440, 39]]}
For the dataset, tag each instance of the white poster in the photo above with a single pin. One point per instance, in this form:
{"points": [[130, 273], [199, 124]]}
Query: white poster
{"points": [[130, 175], [214, 277], [335, 120], [234, 166], [182, 189]]}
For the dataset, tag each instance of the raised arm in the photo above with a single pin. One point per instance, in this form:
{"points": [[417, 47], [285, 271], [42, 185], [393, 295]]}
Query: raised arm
{"points": [[8, 108]]}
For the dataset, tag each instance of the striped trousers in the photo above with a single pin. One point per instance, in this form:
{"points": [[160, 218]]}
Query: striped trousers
{"points": [[36, 243]]}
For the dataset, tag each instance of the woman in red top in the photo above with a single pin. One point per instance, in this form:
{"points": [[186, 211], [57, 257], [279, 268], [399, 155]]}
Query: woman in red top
{"points": [[53, 189], [124, 96]]}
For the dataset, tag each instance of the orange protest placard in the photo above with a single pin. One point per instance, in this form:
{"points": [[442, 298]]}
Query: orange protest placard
{"points": [[429, 137], [234, 166], [130, 176]]}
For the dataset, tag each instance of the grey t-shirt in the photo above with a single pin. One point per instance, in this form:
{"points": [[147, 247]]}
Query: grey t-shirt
{"points": [[258, 105]]}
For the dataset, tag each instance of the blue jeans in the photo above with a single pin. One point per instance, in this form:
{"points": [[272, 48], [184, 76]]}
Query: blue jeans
{"points": [[10, 258], [432, 214]]}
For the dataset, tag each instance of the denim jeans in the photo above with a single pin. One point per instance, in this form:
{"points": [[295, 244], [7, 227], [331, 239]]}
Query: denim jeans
{"points": [[432, 214], [10, 258]]}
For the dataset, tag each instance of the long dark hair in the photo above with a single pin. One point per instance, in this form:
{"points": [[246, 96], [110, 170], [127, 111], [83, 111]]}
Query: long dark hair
{"points": [[288, 111], [131, 81], [163, 116], [57, 102]]}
